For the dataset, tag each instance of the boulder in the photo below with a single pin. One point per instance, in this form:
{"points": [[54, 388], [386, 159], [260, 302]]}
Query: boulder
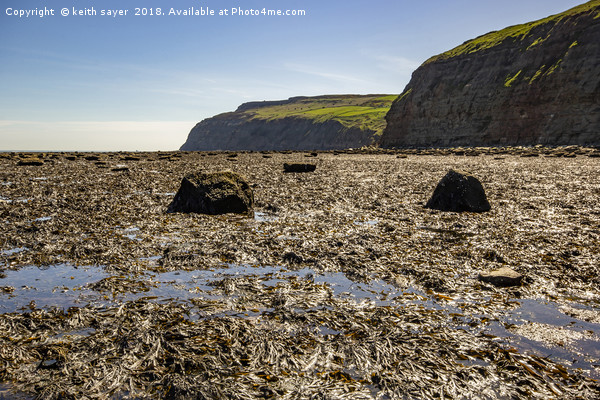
{"points": [[292, 258], [213, 193], [299, 167], [34, 161], [502, 277], [459, 191]]}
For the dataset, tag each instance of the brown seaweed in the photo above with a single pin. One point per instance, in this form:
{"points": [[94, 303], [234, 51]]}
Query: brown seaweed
{"points": [[286, 332]]}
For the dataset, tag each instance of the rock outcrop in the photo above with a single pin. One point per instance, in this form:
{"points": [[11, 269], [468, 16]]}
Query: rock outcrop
{"points": [[299, 123], [213, 193], [459, 192], [536, 83], [502, 277], [299, 167], [31, 161]]}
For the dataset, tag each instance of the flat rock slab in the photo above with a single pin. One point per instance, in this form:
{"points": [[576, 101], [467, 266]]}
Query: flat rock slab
{"points": [[213, 193], [459, 191], [31, 161], [299, 167], [502, 277]]}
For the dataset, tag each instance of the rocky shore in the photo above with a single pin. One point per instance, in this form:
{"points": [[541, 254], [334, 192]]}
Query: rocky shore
{"points": [[341, 285]]}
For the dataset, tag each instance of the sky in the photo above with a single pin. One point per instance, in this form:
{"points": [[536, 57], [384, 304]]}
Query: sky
{"points": [[141, 82]]}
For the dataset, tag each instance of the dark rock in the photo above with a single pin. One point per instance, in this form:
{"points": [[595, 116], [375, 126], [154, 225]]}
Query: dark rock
{"points": [[492, 255], [502, 277], [31, 161], [292, 258], [213, 193], [49, 364], [458, 191], [299, 167]]}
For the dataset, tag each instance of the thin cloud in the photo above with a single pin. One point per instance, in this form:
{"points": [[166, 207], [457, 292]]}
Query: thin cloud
{"points": [[391, 63], [398, 64], [305, 69]]}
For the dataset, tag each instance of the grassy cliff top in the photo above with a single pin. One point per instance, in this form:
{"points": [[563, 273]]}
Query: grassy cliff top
{"points": [[516, 32], [366, 112]]}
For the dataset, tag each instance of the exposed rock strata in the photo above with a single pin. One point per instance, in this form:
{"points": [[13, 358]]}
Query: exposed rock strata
{"points": [[299, 123], [231, 132], [536, 83]]}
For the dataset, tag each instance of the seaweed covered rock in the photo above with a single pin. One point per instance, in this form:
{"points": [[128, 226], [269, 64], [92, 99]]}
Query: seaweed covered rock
{"points": [[299, 167], [213, 193], [32, 161], [459, 191], [503, 277]]}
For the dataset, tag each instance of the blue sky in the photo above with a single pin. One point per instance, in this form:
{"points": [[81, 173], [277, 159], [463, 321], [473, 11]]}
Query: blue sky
{"points": [[141, 82]]}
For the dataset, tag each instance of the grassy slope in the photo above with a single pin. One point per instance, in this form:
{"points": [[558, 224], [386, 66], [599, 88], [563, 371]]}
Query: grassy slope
{"points": [[365, 112], [517, 32]]}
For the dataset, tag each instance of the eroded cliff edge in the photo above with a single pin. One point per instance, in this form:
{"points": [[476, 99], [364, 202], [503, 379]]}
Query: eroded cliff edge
{"points": [[299, 123], [535, 83]]}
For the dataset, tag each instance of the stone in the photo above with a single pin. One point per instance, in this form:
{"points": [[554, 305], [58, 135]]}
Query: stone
{"points": [[502, 277], [299, 167], [292, 258], [459, 191], [32, 161], [213, 193]]}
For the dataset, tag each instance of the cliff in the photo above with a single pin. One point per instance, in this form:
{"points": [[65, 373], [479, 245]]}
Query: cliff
{"points": [[299, 123], [535, 83]]}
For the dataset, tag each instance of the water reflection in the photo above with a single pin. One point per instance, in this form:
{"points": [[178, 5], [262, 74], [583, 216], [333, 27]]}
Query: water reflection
{"points": [[569, 333]]}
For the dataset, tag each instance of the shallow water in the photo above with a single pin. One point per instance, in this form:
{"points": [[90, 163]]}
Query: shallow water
{"points": [[185, 285], [533, 325], [264, 217], [7, 393], [541, 327], [65, 285], [55, 286], [12, 251]]}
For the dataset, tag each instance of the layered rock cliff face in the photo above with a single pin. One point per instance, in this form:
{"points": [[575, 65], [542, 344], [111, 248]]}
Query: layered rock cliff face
{"points": [[536, 83], [299, 123]]}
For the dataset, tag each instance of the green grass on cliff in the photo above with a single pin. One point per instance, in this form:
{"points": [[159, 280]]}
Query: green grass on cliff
{"points": [[516, 32], [353, 111]]}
